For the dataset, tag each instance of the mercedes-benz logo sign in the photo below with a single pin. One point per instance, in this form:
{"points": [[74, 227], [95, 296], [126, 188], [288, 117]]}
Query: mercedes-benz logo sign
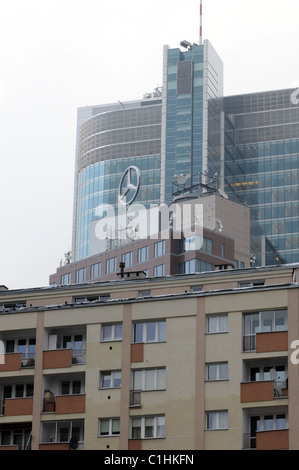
{"points": [[128, 190]]}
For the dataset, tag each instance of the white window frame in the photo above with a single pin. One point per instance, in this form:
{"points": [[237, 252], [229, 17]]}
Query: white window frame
{"points": [[113, 336], [95, 270], [113, 376], [144, 331], [218, 415], [127, 258], [159, 249], [218, 371], [159, 270], [110, 431], [142, 254], [144, 373], [111, 265], [143, 427], [217, 319]]}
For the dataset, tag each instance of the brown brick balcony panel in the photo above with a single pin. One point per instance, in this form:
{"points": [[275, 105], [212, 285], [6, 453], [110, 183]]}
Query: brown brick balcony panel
{"points": [[11, 362], [18, 406], [8, 447], [137, 352], [55, 446], [135, 444], [272, 341], [57, 358], [256, 391], [272, 440], [67, 404]]}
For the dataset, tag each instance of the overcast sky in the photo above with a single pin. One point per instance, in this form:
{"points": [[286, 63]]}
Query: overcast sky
{"points": [[58, 55]]}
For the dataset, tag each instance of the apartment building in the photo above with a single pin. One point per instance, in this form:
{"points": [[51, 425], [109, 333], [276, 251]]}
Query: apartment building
{"points": [[190, 362]]}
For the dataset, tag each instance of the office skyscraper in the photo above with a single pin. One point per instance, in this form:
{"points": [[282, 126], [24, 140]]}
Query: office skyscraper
{"points": [[247, 143]]}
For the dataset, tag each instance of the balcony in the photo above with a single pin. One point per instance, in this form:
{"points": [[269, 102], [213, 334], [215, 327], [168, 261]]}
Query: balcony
{"points": [[272, 341], [266, 342], [65, 404], [256, 391], [263, 391], [272, 440], [17, 406], [60, 358], [16, 361]]}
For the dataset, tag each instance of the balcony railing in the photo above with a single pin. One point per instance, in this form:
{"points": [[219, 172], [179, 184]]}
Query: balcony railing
{"points": [[263, 390], [64, 404], [135, 398], [58, 358]]}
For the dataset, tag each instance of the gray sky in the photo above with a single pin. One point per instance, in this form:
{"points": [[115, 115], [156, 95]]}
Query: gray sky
{"points": [[58, 55]]}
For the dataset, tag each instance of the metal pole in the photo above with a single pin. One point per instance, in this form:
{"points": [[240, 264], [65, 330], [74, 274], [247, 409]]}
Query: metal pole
{"points": [[200, 26]]}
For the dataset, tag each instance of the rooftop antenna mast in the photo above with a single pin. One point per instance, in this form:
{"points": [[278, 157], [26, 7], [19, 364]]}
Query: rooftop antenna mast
{"points": [[200, 23]]}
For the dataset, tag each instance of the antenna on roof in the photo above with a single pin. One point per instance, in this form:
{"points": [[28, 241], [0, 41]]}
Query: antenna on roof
{"points": [[200, 23]]}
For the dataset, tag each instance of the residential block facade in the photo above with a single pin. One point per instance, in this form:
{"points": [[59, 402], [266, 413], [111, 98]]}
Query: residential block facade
{"points": [[203, 361]]}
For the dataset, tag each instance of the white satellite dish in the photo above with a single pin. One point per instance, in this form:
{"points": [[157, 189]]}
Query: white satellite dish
{"points": [[273, 374]]}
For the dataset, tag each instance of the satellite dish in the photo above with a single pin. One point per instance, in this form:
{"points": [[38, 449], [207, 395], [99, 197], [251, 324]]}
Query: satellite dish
{"points": [[273, 374], [182, 179]]}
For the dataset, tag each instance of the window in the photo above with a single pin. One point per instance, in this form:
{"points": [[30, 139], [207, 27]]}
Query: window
{"points": [[110, 265], [244, 284], [207, 245], [217, 324], [159, 270], [144, 293], [194, 266], [109, 427], [265, 321], [217, 371], [66, 279], [190, 244], [149, 379], [74, 342], [110, 379], [80, 275], [62, 431], [142, 254], [91, 298], [196, 289], [159, 248], [149, 332], [127, 259], [72, 387], [216, 420], [95, 270], [148, 427], [112, 332], [24, 346]]}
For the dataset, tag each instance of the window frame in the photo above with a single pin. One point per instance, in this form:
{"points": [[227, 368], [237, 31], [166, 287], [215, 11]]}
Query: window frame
{"points": [[257, 325], [112, 374], [143, 426], [159, 248], [110, 427], [218, 324], [111, 265], [218, 377], [217, 415], [157, 269], [143, 380], [112, 338], [145, 331], [142, 254]]}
